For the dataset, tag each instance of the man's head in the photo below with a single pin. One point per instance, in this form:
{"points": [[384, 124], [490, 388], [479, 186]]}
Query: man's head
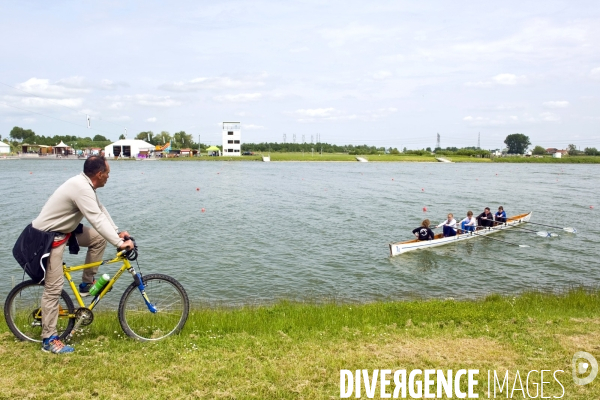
{"points": [[97, 169], [487, 210]]}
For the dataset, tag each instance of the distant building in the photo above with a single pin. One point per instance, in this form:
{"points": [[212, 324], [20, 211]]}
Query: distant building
{"points": [[128, 148], [553, 151], [232, 138]]}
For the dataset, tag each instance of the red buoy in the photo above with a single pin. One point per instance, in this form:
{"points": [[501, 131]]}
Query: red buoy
{"points": [[591, 207], [424, 209], [197, 189], [203, 210]]}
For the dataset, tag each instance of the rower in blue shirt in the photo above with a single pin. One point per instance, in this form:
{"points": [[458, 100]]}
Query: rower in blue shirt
{"points": [[500, 215]]}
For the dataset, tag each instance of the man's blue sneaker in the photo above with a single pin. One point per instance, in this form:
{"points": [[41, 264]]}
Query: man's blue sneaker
{"points": [[54, 345], [84, 288]]}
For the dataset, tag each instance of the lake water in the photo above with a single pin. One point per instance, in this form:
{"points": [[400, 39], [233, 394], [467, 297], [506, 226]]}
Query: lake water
{"points": [[320, 231]]}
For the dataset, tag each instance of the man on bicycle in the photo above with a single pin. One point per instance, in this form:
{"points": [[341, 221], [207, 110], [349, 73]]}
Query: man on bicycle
{"points": [[61, 216]]}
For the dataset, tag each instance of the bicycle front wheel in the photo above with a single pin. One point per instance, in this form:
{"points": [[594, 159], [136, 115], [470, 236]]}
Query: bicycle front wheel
{"points": [[169, 298], [23, 313]]}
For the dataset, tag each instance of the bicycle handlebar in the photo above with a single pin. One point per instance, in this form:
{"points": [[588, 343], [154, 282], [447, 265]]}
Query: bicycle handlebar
{"points": [[131, 254]]}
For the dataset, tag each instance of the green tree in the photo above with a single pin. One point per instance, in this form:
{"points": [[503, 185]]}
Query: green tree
{"points": [[182, 140], [147, 136], [121, 136], [517, 143], [538, 151], [572, 149], [591, 151], [24, 135], [163, 137], [99, 138]]}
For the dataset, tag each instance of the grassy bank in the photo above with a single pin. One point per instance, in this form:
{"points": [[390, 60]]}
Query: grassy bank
{"points": [[395, 158], [296, 351], [332, 157], [550, 160]]}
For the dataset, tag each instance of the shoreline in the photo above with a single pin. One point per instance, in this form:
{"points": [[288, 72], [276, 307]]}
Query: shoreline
{"points": [[328, 158]]}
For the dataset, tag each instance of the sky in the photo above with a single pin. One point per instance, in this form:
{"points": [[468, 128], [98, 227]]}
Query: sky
{"points": [[382, 73]]}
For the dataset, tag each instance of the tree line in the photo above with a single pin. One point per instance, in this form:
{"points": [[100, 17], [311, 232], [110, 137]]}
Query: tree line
{"points": [[517, 143]]}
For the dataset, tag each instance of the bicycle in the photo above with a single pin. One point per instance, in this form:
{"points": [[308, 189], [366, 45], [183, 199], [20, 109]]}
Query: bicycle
{"points": [[160, 311]]}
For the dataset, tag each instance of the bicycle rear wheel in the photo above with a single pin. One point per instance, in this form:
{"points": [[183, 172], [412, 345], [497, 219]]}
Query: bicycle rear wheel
{"points": [[23, 313], [169, 298]]}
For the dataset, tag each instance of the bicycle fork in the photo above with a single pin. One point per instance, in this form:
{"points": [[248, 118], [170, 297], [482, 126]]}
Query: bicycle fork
{"points": [[137, 278]]}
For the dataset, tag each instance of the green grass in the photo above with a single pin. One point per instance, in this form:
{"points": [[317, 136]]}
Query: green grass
{"points": [[313, 157], [394, 158], [296, 350], [550, 160]]}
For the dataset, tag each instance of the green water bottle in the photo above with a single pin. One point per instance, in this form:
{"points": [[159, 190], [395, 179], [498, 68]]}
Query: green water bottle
{"points": [[99, 284]]}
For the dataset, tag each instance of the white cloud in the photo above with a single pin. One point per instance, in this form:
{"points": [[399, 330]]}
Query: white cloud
{"points": [[39, 103], [151, 100], [500, 79], [215, 83], [107, 84], [299, 50], [339, 36], [379, 75], [116, 105], [239, 98], [556, 104], [549, 117], [151, 119], [332, 114], [316, 112], [595, 73], [491, 121], [507, 79], [43, 88], [252, 127]]}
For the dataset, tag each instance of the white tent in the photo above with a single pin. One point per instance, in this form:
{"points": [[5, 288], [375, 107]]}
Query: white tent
{"points": [[128, 148], [4, 148]]}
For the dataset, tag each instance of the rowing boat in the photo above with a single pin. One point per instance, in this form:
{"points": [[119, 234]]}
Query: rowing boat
{"points": [[410, 245]]}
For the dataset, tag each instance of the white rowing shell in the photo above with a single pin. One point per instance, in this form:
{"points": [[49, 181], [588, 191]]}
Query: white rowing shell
{"points": [[410, 245]]}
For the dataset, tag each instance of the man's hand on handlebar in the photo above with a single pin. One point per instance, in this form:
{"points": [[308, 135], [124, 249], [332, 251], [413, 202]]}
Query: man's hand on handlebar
{"points": [[126, 245], [123, 234]]}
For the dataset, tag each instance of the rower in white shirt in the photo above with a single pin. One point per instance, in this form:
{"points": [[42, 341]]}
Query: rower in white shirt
{"points": [[468, 224], [449, 226]]}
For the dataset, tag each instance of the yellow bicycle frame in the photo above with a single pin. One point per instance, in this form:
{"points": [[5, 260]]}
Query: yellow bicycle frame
{"points": [[120, 257]]}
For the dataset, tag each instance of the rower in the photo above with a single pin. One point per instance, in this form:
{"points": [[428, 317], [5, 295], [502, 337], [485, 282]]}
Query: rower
{"points": [[423, 232], [485, 219], [449, 226], [500, 215], [468, 224]]}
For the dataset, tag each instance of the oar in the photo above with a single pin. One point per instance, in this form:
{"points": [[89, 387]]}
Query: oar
{"points": [[567, 229], [500, 240], [539, 233]]}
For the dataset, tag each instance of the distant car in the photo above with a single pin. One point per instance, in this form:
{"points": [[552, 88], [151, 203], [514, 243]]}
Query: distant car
{"points": [[248, 153]]}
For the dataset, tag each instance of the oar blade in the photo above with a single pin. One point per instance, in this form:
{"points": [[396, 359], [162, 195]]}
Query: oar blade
{"points": [[546, 234], [570, 230]]}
